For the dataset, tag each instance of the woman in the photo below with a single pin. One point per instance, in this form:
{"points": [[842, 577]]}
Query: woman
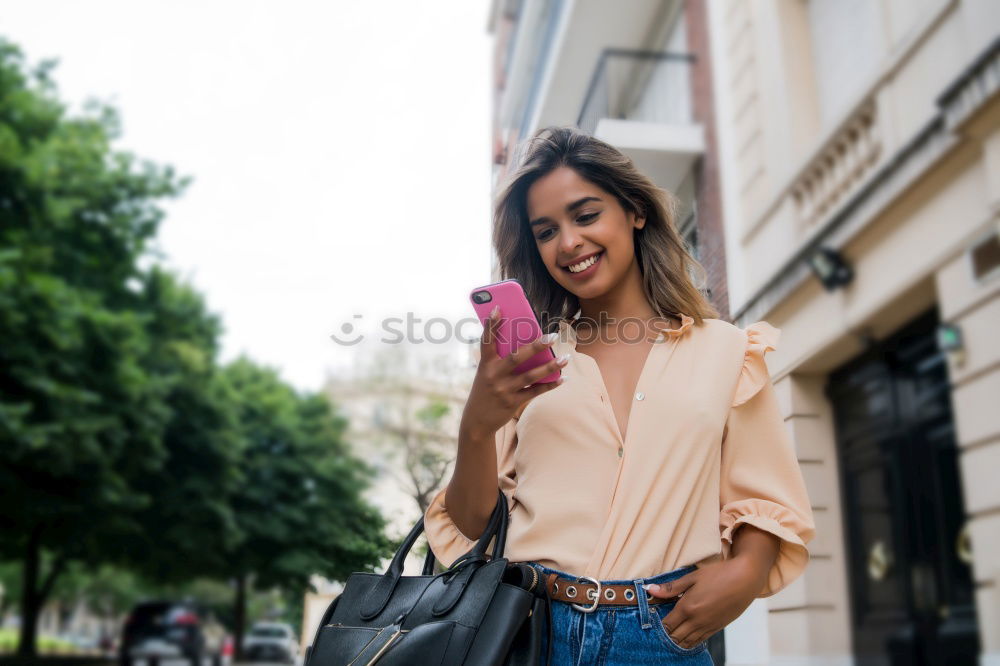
{"points": [[660, 467]]}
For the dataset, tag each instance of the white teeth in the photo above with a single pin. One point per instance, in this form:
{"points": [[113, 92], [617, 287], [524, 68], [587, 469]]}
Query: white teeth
{"points": [[583, 265]]}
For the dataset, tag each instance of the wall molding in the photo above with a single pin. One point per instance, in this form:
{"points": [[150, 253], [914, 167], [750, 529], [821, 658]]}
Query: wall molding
{"points": [[909, 164]]}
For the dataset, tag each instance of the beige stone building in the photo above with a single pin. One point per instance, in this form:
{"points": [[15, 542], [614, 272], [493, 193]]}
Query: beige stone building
{"points": [[860, 152]]}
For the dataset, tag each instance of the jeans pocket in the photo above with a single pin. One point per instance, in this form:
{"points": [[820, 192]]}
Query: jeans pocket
{"points": [[658, 612]]}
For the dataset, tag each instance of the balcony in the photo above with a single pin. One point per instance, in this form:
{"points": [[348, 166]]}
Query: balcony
{"points": [[646, 86], [640, 102]]}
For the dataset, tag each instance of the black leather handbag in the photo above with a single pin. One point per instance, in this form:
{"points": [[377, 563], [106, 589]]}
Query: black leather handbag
{"points": [[480, 611]]}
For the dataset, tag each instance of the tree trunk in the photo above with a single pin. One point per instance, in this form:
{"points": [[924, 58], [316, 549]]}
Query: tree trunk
{"points": [[239, 616], [34, 592], [4, 605], [30, 603]]}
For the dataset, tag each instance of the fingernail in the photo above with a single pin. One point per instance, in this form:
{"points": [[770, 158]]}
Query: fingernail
{"points": [[494, 311], [651, 587], [549, 337], [563, 360]]}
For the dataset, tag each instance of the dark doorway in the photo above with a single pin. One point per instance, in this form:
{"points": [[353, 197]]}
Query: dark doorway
{"points": [[910, 578]]}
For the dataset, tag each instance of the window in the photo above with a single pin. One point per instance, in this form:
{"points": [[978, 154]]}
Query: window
{"points": [[687, 225], [689, 232]]}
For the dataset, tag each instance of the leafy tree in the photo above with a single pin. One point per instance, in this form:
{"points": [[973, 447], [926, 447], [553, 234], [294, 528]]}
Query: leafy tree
{"points": [[79, 412], [299, 508], [122, 441], [187, 526]]}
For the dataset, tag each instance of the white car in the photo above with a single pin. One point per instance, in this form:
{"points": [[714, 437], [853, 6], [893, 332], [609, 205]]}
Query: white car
{"points": [[270, 641]]}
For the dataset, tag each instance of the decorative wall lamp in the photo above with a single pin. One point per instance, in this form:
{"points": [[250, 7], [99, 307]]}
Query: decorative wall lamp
{"points": [[949, 340], [830, 267]]}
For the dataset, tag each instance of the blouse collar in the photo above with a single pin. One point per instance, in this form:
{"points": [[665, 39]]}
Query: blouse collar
{"points": [[568, 333]]}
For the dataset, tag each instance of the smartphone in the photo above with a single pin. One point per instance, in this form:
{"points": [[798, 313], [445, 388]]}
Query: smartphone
{"points": [[518, 324]]}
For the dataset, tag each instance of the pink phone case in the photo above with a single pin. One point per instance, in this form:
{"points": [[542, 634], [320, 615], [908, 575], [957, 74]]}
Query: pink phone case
{"points": [[518, 324]]}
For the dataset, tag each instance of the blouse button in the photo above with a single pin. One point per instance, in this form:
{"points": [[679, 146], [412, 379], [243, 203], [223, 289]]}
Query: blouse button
{"points": [[640, 395], [620, 449]]}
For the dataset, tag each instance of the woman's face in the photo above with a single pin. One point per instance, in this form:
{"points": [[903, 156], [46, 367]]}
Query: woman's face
{"points": [[573, 221]]}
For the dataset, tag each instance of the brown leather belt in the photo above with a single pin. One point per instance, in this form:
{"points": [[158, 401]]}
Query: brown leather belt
{"points": [[584, 595]]}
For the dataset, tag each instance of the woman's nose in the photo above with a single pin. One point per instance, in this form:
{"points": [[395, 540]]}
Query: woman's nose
{"points": [[569, 240]]}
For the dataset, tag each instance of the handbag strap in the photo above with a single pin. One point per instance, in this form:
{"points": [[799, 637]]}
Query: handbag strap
{"points": [[429, 560], [501, 541], [379, 595], [468, 564]]}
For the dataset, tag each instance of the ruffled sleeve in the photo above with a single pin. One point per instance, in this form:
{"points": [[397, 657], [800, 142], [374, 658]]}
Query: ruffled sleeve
{"points": [[445, 539], [761, 483], [761, 338]]}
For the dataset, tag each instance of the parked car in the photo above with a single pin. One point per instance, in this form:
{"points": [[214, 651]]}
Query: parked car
{"points": [[172, 630], [270, 641]]}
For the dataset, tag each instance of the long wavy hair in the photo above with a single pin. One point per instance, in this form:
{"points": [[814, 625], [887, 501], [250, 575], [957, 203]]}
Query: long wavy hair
{"points": [[668, 269]]}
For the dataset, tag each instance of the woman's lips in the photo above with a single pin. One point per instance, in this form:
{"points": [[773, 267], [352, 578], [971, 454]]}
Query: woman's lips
{"points": [[588, 271]]}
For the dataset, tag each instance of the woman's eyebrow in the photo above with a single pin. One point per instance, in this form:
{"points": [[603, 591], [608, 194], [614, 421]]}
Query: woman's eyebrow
{"points": [[569, 209]]}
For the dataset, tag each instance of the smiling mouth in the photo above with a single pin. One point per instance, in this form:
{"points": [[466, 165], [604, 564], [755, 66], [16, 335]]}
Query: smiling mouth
{"points": [[585, 264]]}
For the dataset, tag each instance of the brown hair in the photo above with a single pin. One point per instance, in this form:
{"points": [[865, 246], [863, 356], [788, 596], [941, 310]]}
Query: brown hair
{"points": [[666, 266]]}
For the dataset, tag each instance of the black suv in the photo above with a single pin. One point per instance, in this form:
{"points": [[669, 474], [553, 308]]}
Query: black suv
{"points": [[162, 630]]}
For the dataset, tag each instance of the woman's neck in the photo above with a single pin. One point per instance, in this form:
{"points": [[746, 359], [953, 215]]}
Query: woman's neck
{"points": [[624, 303], [617, 306], [611, 317]]}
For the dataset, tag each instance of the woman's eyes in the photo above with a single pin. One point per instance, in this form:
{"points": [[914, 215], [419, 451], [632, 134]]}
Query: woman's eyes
{"points": [[582, 218]]}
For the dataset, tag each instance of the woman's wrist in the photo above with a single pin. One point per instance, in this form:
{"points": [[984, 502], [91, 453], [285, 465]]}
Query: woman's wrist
{"points": [[753, 569], [754, 551], [469, 428]]}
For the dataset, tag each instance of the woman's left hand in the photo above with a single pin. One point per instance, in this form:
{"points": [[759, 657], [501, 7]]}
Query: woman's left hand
{"points": [[716, 594]]}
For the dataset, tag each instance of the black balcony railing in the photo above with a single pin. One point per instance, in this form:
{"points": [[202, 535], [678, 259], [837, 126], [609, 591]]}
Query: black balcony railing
{"points": [[650, 86]]}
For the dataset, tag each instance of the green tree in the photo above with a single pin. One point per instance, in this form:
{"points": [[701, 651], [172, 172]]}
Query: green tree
{"points": [[123, 444], [299, 507], [188, 525], [79, 412]]}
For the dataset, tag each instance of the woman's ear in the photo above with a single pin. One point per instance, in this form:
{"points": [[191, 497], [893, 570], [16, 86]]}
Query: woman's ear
{"points": [[637, 221]]}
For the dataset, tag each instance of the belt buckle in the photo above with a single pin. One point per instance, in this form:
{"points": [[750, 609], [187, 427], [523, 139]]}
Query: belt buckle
{"points": [[597, 595]]}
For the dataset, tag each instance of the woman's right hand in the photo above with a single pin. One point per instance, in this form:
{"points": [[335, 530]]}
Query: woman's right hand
{"points": [[497, 390]]}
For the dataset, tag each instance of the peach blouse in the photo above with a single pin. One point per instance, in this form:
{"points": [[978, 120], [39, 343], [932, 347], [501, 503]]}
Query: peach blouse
{"points": [[706, 450]]}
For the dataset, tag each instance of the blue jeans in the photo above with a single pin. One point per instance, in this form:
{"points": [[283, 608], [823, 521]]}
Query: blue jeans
{"points": [[618, 635]]}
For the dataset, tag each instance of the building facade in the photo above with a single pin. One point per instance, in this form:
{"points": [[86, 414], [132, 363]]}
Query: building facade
{"points": [[860, 144]]}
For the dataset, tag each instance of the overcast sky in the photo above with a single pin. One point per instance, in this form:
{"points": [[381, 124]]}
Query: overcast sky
{"points": [[340, 154]]}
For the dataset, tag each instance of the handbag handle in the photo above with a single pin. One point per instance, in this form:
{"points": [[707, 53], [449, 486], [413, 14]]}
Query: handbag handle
{"points": [[461, 570], [497, 526], [429, 560], [499, 515], [380, 593]]}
